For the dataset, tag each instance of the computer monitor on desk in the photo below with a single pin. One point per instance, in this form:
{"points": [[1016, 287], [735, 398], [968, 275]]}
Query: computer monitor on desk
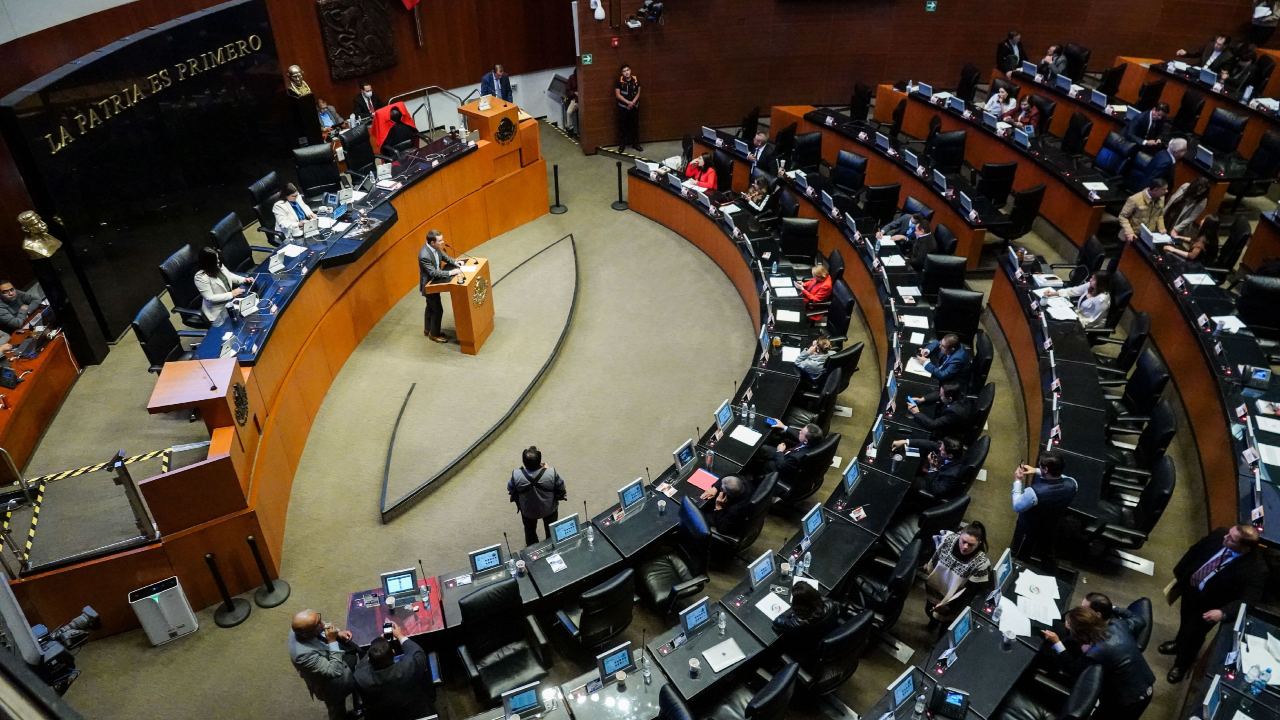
{"points": [[851, 476], [523, 702], [990, 120], [1212, 699], [741, 146], [485, 560], [956, 104], [631, 494], [709, 134], [695, 617], [1028, 68], [562, 531], [401, 585], [1098, 99], [827, 201], [1022, 138], [902, 690], [684, 455], [811, 523], [724, 415], [1208, 77], [1062, 82], [760, 569], [646, 167], [673, 179], [1131, 112], [1204, 156], [1003, 570], [966, 202], [913, 162], [925, 89], [611, 662], [960, 628], [882, 141], [939, 180]]}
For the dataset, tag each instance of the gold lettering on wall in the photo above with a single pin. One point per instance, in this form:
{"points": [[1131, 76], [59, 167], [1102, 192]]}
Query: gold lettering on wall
{"points": [[96, 113]]}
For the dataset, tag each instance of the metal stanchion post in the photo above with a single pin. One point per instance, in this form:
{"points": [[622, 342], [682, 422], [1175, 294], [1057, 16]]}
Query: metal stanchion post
{"points": [[234, 610], [557, 209], [619, 204], [272, 592]]}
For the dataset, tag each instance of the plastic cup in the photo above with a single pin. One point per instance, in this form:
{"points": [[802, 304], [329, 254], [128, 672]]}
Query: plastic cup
{"points": [[662, 507], [695, 668]]}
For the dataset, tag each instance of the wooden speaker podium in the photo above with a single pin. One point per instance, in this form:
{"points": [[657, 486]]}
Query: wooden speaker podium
{"points": [[472, 303], [486, 122]]}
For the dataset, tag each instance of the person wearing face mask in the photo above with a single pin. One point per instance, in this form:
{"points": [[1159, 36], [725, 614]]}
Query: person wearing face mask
{"points": [[941, 476], [1127, 680], [958, 570], [328, 115], [325, 658], [366, 102], [1025, 116]]}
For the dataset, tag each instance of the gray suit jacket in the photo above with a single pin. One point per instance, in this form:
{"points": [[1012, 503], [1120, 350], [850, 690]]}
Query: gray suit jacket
{"points": [[326, 671], [433, 266], [10, 317]]}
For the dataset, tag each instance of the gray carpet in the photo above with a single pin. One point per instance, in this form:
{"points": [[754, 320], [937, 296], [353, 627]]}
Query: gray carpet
{"points": [[659, 339]]}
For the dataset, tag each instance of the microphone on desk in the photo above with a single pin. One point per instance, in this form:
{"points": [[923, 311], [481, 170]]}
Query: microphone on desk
{"points": [[423, 577], [212, 385], [508, 542], [647, 476]]}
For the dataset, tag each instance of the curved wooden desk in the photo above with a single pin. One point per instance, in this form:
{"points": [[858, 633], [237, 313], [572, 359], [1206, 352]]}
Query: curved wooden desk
{"points": [[243, 486], [30, 407]]}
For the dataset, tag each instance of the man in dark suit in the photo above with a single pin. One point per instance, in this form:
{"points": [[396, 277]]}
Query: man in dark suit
{"points": [[1009, 54], [365, 102], [496, 82], [399, 132], [922, 243], [434, 266], [1215, 55], [732, 495], [395, 688], [948, 413], [763, 154], [787, 457], [1212, 578], [1161, 164], [941, 476], [946, 359], [1147, 128]]}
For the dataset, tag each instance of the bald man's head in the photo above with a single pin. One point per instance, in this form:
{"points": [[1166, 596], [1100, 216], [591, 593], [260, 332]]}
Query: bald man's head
{"points": [[306, 624]]}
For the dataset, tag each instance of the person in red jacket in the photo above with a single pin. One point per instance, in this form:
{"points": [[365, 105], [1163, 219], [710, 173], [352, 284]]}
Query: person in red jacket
{"points": [[816, 289], [701, 171]]}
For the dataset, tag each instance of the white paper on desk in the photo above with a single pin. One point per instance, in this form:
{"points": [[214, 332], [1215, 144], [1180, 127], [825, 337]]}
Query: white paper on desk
{"points": [[893, 261], [745, 435], [789, 354], [787, 316], [462, 580], [388, 184], [1038, 608], [357, 196], [1001, 126], [1057, 312], [556, 562], [731, 208], [915, 321], [1230, 323], [1012, 618], [916, 338], [291, 250], [909, 291], [341, 227], [786, 292], [772, 606], [915, 367], [325, 223], [1047, 280], [1261, 11], [1270, 454], [1198, 279], [1267, 424], [1240, 713], [1273, 649], [1254, 652], [1033, 583], [1041, 292], [779, 281], [1177, 65], [1267, 407], [1096, 186]]}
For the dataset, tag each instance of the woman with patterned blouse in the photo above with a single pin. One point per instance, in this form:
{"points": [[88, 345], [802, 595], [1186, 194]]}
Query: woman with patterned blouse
{"points": [[958, 570]]}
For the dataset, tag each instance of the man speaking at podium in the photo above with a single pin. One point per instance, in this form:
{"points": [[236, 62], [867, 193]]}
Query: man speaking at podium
{"points": [[435, 266]]}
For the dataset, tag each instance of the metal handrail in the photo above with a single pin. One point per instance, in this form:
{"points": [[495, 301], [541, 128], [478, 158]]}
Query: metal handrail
{"points": [[426, 93]]}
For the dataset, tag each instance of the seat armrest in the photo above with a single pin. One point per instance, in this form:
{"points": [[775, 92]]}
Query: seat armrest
{"points": [[689, 585], [433, 667], [1114, 372], [473, 672], [723, 539], [781, 488], [1101, 332], [563, 618], [541, 646], [1109, 340], [1135, 419], [275, 237], [1128, 470], [192, 333], [1123, 533], [1118, 382], [188, 313], [1121, 484], [262, 248]]}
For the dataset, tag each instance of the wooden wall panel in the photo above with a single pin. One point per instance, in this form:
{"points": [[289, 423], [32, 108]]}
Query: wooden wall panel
{"points": [[714, 60]]}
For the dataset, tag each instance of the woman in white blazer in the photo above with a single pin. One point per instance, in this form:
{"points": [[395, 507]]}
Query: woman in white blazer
{"points": [[218, 286], [291, 212]]}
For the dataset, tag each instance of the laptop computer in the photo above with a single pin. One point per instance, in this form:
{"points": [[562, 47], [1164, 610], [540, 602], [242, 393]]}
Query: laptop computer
{"points": [[401, 585]]}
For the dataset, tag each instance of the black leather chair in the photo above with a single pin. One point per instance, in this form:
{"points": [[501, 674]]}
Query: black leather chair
{"points": [[1026, 208], [160, 342], [677, 570], [1077, 60], [825, 668], [835, 264], [1130, 465], [723, 164], [840, 311], [1119, 525], [860, 103], [958, 311], [813, 469], [1141, 392], [1229, 254], [886, 598], [784, 144], [1047, 106], [910, 526], [798, 238], [1140, 609], [880, 202], [947, 152], [912, 206], [845, 362], [1135, 175], [894, 129], [1260, 173], [1256, 306], [359, 153], [1033, 700], [602, 612], [817, 408], [970, 76], [498, 651], [1188, 115], [686, 148], [1121, 295], [1223, 132], [788, 205], [946, 240], [750, 124], [995, 181], [317, 172], [808, 153], [1109, 84], [850, 172], [1137, 330], [1089, 259], [179, 273], [263, 194], [983, 355], [982, 410], [941, 271], [1076, 136], [999, 82], [1148, 95], [769, 703], [671, 706], [1114, 155], [725, 545], [228, 237]]}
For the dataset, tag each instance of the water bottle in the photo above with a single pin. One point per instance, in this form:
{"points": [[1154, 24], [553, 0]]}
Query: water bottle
{"points": [[1259, 681], [751, 414], [644, 669], [996, 613], [807, 561], [918, 712], [511, 565], [591, 537], [1251, 677], [773, 270], [710, 457], [721, 622]]}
